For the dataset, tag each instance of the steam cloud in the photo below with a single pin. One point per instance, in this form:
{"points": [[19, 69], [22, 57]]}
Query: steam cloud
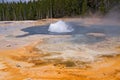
{"points": [[60, 27]]}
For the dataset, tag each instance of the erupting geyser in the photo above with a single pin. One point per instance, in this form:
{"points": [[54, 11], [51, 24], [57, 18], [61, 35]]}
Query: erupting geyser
{"points": [[60, 27]]}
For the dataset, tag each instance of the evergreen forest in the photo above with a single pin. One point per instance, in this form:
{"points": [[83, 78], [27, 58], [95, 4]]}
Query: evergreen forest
{"points": [[42, 9]]}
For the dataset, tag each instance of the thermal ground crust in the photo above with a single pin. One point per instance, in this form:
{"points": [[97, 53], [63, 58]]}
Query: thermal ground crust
{"points": [[92, 53]]}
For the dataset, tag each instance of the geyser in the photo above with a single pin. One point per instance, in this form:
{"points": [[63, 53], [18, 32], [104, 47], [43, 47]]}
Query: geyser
{"points": [[60, 27]]}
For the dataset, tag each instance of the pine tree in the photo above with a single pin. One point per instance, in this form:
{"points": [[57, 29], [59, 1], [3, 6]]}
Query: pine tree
{"points": [[102, 7], [84, 7]]}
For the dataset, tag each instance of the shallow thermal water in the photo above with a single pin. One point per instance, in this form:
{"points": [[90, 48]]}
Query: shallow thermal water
{"points": [[71, 28]]}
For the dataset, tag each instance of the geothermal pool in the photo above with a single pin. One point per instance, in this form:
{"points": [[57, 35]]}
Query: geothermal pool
{"points": [[66, 40], [71, 28]]}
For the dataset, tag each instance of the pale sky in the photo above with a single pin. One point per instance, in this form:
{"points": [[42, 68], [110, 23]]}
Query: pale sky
{"points": [[13, 0]]}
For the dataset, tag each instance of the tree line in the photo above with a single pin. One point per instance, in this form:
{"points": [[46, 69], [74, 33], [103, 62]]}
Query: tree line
{"points": [[41, 9]]}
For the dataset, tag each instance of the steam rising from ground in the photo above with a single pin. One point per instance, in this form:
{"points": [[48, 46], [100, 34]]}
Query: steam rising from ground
{"points": [[60, 27], [113, 14], [67, 48]]}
